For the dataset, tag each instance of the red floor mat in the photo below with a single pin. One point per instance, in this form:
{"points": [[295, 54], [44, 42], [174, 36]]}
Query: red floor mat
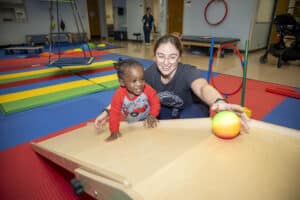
{"points": [[21, 63], [256, 98], [26, 175]]}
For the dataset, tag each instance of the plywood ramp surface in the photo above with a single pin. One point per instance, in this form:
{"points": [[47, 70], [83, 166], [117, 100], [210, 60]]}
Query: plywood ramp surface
{"points": [[182, 159]]}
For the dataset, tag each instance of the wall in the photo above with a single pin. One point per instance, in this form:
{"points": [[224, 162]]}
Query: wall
{"points": [[120, 21], [155, 12], [261, 24], [38, 21], [109, 12], [163, 17], [102, 18], [135, 12], [260, 35], [236, 25], [240, 22]]}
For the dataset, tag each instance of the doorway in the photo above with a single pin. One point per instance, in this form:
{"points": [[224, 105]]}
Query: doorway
{"points": [[109, 18], [94, 21], [175, 16]]}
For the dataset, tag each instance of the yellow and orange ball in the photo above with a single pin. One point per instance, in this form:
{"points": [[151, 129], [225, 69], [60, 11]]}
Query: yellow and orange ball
{"points": [[226, 125]]}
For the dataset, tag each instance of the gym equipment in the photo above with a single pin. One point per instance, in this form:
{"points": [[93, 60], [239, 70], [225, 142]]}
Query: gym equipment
{"points": [[225, 13], [284, 92], [235, 49], [85, 60], [175, 159], [244, 63], [205, 41], [286, 25], [23, 50]]}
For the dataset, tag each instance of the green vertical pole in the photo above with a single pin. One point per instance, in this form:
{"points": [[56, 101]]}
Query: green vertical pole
{"points": [[244, 74]]}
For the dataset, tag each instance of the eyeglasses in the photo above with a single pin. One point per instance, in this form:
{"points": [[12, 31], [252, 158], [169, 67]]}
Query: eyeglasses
{"points": [[172, 58]]}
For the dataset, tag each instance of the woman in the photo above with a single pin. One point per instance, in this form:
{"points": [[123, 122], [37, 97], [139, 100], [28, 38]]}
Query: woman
{"points": [[183, 92], [147, 25]]}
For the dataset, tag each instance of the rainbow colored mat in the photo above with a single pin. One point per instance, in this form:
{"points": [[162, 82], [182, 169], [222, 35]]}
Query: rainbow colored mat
{"points": [[73, 82]]}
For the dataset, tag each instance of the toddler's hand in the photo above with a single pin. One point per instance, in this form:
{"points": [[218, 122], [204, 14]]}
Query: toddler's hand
{"points": [[113, 136], [150, 121], [100, 121]]}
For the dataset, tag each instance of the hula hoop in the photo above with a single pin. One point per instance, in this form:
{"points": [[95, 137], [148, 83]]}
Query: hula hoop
{"points": [[222, 19], [237, 52]]}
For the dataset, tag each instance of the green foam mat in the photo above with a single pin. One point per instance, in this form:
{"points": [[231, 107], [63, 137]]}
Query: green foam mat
{"points": [[33, 102], [64, 70]]}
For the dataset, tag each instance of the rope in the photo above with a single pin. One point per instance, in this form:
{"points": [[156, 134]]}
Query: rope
{"points": [[81, 24], [78, 26], [58, 28], [78, 29], [50, 27]]}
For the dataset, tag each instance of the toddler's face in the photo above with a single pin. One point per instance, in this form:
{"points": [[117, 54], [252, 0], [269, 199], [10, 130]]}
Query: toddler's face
{"points": [[134, 80]]}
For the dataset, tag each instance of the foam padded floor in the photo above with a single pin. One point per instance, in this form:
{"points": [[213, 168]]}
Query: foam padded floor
{"points": [[30, 99]]}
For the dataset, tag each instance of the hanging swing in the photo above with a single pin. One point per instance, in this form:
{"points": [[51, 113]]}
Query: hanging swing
{"points": [[68, 61]]}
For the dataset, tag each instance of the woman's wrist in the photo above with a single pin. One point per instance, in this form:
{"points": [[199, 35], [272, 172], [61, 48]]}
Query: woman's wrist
{"points": [[220, 100]]}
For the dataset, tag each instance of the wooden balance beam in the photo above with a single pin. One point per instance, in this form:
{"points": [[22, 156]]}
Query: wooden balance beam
{"points": [[180, 159]]}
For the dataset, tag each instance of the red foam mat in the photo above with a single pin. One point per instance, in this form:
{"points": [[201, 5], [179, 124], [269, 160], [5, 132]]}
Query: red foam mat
{"points": [[257, 99], [26, 175], [24, 63], [284, 92]]}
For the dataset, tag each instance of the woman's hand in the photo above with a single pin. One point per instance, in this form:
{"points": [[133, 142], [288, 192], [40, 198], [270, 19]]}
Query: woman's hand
{"points": [[150, 121], [237, 109], [101, 120]]}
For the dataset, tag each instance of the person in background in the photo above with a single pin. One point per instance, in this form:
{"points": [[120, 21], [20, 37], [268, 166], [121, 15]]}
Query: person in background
{"points": [[182, 90], [134, 100], [148, 21]]}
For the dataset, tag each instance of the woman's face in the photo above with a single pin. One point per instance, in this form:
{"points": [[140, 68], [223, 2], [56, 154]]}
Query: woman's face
{"points": [[167, 58]]}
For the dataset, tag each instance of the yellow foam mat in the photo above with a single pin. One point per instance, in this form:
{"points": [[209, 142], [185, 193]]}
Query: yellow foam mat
{"points": [[54, 88], [29, 73], [105, 78], [54, 69], [44, 90]]}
